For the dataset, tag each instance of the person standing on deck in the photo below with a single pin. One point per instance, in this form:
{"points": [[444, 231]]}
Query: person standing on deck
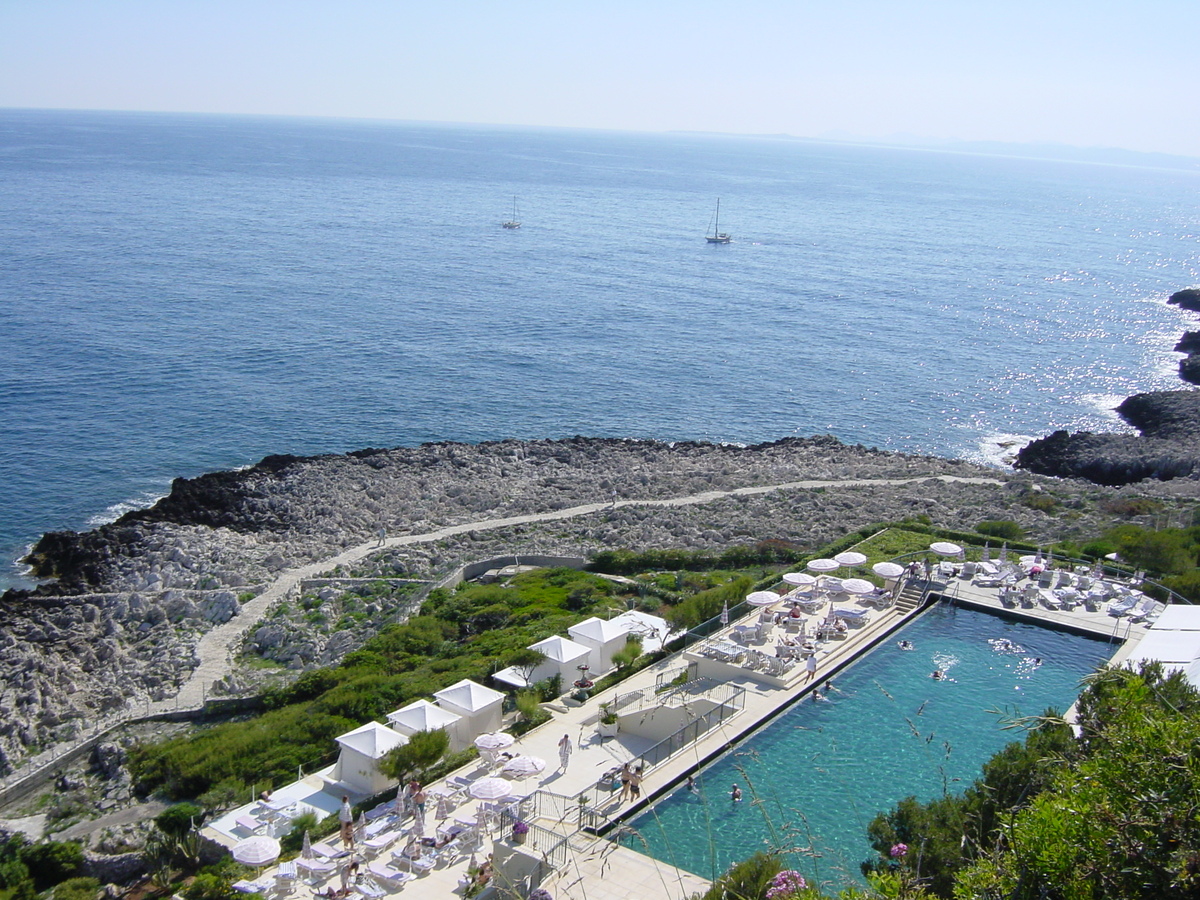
{"points": [[564, 752], [810, 667]]}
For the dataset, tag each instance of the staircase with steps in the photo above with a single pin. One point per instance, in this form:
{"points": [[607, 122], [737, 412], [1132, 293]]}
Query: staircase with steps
{"points": [[912, 595]]}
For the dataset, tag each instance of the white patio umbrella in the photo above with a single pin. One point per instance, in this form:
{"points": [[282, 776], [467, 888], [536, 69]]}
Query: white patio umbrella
{"points": [[306, 846], [523, 766], [857, 586], [987, 552], [1004, 552], [823, 565], [888, 569], [259, 850], [945, 548], [800, 579], [494, 740], [490, 789], [725, 613], [762, 598], [850, 558]]}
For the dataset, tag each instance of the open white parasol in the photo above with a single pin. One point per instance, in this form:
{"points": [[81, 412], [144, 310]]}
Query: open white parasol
{"points": [[857, 586], [523, 766], [945, 548], [888, 569], [800, 579], [495, 740], [850, 558], [824, 565], [256, 851], [490, 789], [762, 598]]}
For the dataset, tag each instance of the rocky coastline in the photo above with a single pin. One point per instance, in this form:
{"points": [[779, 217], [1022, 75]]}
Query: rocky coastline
{"points": [[120, 625], [1168, 443]]}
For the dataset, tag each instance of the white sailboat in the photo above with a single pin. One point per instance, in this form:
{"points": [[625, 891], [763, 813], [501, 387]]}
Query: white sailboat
{"points": [[514, 222], [718, 236]]}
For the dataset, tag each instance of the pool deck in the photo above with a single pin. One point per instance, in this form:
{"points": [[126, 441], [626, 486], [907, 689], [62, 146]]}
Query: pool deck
{"points": [[599, 869]]}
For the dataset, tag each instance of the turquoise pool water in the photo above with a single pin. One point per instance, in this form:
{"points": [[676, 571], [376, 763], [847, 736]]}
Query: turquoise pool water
{"points": [[822, 770]]}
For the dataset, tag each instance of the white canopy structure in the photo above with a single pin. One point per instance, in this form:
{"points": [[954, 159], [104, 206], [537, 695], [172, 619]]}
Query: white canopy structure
{"points": [[603, 639], [421, 715], [563, 658], [1173, 640], [358, 763], [478, 706]]}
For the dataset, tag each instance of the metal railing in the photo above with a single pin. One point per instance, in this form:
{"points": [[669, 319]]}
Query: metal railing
{"points": [[692, 731]]}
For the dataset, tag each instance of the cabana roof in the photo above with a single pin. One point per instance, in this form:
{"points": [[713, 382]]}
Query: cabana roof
{"points": [[421, 715], [372, 740], [560, 649], [599, 630], [468, 695]]}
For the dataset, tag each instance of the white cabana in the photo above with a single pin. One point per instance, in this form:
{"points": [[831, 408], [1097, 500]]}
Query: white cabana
{"points": [[358, 763], [478, 706], [563, 658], [603, 639], [421, 715]]}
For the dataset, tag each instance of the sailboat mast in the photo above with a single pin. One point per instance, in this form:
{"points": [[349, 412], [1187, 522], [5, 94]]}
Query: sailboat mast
{"points": [[717, 219]]}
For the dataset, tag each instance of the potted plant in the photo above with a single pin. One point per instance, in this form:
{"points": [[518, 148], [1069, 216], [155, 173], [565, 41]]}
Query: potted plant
{"points": [[520, 829], [608, 723]]}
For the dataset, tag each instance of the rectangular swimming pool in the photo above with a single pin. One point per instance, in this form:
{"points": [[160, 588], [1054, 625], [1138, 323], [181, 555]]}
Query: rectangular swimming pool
{"points": [[813, 778]]}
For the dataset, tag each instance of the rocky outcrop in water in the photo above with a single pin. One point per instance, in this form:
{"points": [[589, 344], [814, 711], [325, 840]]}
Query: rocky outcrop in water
{"points": [[1167, 448], [1189, 299]]}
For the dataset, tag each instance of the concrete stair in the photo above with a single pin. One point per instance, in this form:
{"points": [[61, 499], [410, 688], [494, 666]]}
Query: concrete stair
{"points": [[910, 597]]}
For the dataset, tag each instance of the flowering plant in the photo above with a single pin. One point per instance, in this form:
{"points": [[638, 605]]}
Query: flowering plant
{"points": [[540, 894], [899, 851], [787, 883], [520, 827]]}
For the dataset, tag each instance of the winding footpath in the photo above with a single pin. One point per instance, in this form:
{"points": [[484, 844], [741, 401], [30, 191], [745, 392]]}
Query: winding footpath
{"points": [[214, 650]]}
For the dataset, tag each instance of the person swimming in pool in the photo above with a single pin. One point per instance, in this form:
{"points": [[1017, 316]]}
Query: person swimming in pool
{"points": [[938, 675], [736, 794], [905, 645]]}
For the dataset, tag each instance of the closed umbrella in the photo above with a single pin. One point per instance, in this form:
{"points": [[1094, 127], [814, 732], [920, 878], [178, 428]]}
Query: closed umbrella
{"points": [[523, 766], [490, 789], [857, 586], [257, 851], [1004, 552], [725, 613], [987, 552], [888, 569], [762, 598]]}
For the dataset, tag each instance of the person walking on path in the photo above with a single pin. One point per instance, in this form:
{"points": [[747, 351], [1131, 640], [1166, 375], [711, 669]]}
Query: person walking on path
{"points": [[564, 752], [810, 666]]}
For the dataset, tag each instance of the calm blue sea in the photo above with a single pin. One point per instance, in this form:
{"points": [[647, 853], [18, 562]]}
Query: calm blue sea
{"points": [[180, 294]]}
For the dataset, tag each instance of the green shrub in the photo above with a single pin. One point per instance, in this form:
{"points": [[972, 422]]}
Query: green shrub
{"points": [[1004, 529], [77, 889], [293, 841], [1039, 501], [50, 862]]}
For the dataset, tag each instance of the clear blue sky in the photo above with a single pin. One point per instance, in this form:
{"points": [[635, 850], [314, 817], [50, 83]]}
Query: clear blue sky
{"points": [[1089, 74]]}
